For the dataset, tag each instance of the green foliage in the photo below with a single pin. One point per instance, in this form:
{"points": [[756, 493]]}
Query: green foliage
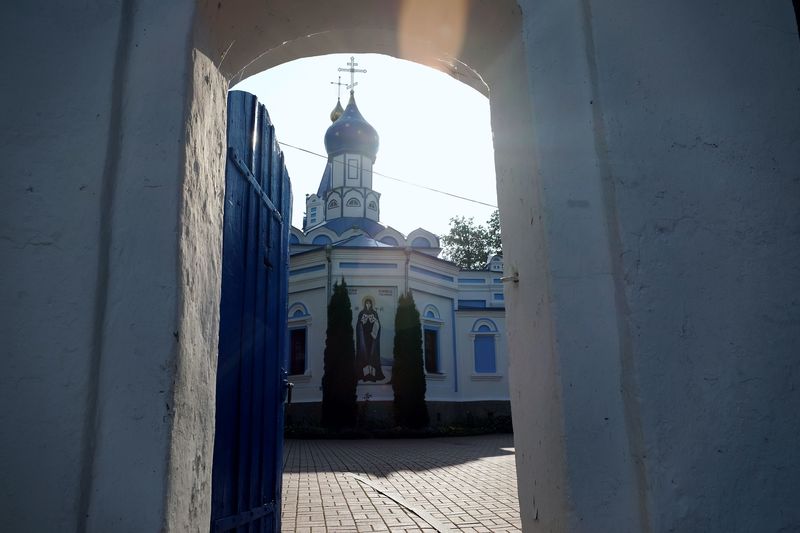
{"points": [[408, 377], [469, 244], [493, 231], [339, 378]]}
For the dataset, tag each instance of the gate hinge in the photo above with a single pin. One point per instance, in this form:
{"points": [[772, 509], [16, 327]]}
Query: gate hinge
{"points": [[254, 183]]}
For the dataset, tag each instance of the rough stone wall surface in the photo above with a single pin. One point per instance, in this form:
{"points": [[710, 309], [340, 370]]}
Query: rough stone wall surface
{"points": [[191, 453], [57, 115], [139, 361], [698, 123], [580, 362]]}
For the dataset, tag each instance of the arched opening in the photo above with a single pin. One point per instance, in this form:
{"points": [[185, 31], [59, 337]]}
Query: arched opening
{"points": [[488, 54]]}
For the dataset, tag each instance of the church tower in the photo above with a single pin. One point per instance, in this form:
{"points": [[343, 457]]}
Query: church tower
{"points": [[345, 192]]}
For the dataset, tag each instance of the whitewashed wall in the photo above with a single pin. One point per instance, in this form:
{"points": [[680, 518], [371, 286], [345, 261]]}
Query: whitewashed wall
{"points": [[672, 230]]}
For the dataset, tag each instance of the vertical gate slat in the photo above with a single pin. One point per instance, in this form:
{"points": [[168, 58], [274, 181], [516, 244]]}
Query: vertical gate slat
{"points": [[248, 353], [249, 435], [227, 422], [261, 376], [272, 397]]}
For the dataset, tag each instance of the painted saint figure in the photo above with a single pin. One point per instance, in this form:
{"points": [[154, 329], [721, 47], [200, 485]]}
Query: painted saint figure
{"points": [[368, 344]]}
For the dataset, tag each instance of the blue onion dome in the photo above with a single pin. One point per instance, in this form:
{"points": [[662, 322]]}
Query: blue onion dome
{"points": [[337, 111], [351, 133]]}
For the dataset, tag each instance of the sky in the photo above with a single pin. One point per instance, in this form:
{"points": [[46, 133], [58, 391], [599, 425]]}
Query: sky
{"points": [[433, 131]]}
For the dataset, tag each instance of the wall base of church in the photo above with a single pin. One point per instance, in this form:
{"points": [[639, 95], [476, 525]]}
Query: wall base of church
{"points": [[377, 415]]}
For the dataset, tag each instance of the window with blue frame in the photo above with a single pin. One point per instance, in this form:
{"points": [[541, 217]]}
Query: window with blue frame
{"points": [[297, 354], [484, 347], [431, 344], [472, 304]]}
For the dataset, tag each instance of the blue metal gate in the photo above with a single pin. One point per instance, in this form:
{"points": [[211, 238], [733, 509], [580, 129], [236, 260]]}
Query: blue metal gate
{"points": [[251, 381]]}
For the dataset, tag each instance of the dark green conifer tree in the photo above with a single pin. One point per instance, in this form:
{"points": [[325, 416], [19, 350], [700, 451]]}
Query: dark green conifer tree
{"points": [[408, 377], [339, 378]]}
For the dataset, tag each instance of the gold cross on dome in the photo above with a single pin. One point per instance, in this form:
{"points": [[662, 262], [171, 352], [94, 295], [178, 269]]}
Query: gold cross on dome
{"points": [[339, 87], [352, 70]]}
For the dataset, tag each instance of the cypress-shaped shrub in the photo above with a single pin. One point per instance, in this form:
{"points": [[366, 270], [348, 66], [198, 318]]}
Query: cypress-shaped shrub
{"points": [[339, 378], [408, 377]]}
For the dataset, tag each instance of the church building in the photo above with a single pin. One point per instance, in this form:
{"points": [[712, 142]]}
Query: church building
{"points": [[462, 311]]}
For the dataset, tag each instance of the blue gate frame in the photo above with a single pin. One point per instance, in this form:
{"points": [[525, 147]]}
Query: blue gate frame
{"points": [[251, 379]]}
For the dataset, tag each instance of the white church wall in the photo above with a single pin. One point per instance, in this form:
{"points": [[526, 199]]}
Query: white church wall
{"points": [[441, 384], [338, 171], [353, 204], [366, 172], [478, 288], [315, 210], [372, 206], [312, 293], [333, 206]]}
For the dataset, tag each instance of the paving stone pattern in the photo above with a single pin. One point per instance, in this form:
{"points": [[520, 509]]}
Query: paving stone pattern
{"points": [[458, 483]]}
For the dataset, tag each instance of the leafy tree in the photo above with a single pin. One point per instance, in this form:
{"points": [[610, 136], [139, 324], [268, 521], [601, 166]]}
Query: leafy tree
{"points": [[408, 378], [493, 232], [339, 379], [469, 244]]}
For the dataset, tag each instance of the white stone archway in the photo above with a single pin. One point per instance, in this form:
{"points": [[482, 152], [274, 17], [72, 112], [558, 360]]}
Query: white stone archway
{"points": [[647, 174], [480, 43]]}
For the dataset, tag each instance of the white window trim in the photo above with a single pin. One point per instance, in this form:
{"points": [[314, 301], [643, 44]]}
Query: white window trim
{"points": [[486, 377]]}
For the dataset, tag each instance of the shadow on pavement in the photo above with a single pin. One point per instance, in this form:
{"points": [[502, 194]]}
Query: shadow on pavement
{"points": [[382, 457]]}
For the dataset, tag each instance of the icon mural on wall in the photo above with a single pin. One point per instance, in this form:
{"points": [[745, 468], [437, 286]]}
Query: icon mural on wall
{"points": [[368, 343], [373, 324]]}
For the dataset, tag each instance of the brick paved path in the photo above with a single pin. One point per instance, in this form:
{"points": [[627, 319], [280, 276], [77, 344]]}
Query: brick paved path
{"points": [[443, 484]]}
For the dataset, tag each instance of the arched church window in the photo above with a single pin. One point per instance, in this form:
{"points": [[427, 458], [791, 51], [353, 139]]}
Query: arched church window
{"points": [[485, 357], [353, 202], [321, 239], [299, 319], [297, 350], [431, 349], [293, 239], [420, 242], [391, 241], [333, 204], [372, 205]]}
